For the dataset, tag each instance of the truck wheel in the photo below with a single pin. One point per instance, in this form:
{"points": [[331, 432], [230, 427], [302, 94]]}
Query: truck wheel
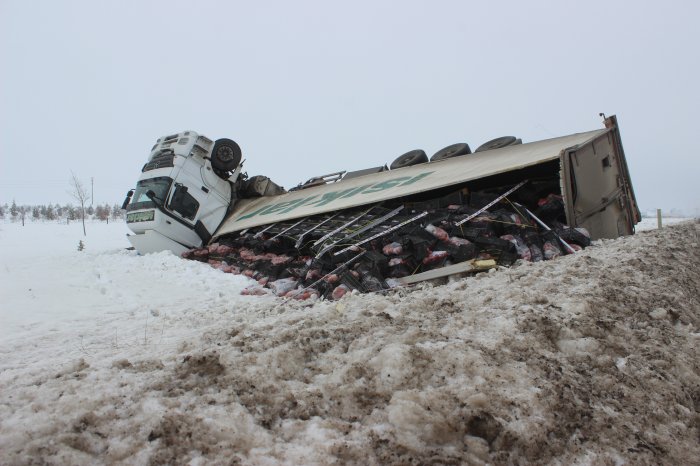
{"points": [[498, 143], [461, 148], [413, 157], [226, 155]]}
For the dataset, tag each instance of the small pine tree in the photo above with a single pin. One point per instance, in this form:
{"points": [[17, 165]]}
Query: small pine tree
{"points": [[36, 213], [14, 210], [81, 245]]}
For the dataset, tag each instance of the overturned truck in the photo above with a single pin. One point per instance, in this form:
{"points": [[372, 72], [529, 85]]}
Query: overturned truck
{"points": [[384, 227]]}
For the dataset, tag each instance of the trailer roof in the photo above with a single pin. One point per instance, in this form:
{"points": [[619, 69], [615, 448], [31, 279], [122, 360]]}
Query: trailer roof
{"points": [[382, 186]]}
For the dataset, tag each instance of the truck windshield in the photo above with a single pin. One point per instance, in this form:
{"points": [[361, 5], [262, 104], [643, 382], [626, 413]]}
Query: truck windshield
{"points": [[160, 186]]}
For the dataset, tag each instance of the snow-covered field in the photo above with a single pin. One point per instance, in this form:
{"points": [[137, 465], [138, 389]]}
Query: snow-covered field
{"points": [[110, 357], [651, 223]]}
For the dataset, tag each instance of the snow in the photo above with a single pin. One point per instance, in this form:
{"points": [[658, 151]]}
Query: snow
{"points": [[651, 223], [111, 357]]}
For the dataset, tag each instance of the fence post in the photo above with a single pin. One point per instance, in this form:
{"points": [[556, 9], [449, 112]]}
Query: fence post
{"points": [[658, 218]]}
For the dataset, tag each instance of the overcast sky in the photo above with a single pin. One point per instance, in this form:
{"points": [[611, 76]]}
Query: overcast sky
{"points": [[311, 87]]}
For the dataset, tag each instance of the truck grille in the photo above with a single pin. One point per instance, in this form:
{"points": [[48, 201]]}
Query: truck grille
{"points": [[162, 160]]}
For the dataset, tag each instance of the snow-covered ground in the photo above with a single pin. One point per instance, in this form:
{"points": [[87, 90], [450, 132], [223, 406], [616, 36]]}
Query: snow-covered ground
{"points": [[111, 357], [651, 223]]}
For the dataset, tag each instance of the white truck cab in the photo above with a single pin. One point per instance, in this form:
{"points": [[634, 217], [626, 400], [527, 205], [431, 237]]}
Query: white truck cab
{"points": [[184, 192]]}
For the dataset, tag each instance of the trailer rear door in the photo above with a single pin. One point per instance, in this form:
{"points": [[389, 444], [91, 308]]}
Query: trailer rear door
{"points": [[597, 188]]}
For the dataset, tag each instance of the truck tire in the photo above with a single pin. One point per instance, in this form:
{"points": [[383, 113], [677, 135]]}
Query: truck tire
{"points": [[413, 157], [498, 143], [226, 155], [461, 148]]}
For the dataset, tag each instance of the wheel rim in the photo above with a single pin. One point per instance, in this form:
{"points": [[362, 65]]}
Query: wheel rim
{"points": [[225, 154], [454, 150], [497, 143]]}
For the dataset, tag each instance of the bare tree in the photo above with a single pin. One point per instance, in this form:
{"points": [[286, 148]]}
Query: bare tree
{"points": [[80, 194]]}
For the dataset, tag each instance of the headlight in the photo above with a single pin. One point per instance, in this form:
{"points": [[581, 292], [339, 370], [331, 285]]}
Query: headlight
{"points": [[143, 216]]}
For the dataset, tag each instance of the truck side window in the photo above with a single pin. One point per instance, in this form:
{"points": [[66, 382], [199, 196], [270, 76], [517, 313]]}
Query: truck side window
{"points": [[183, 203]]}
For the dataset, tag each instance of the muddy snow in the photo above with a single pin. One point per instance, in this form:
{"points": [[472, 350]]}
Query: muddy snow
{"points": [[110, 357]]}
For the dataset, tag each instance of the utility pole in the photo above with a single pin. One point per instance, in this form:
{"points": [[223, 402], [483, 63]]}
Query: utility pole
{"points": [[92, 189]]}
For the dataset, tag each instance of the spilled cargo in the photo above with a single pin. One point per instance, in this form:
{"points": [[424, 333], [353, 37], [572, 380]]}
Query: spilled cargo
{"points": [[370, 250]]}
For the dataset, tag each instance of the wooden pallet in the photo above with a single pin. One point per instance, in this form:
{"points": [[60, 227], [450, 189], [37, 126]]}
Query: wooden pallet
{"points": [[471, 266]]}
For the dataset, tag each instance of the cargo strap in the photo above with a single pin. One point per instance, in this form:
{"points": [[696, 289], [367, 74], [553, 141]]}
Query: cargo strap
{"points": [[385, 232], [342, 227], [490, 204], [288, 228], [259, 234], [369, 226], [546, 227], [303, 235]]}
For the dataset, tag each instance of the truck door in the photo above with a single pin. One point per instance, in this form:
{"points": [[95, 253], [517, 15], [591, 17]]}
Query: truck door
{"points": [[597, 188], [184, 204]]}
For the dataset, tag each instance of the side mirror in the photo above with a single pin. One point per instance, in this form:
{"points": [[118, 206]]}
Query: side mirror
{"points": [[152, 196], [127, 199]]}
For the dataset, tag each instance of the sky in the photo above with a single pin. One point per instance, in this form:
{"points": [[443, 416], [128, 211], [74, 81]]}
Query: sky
{"points": [[312, 87]]}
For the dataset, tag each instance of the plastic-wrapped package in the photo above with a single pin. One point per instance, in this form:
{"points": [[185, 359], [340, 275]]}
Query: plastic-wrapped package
{"points": [[578, 235], [550, 208], [457, 241], [393, 249], [551, 250], [435, 257], [437, 232], [302, 295], [521, 248], [534, 243], [370, 277], [461, 249], [255, 290], [339, 291], [283, 286], [536, 253]]}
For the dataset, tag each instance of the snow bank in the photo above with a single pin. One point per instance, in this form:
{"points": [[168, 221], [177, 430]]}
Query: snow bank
{"points": [[117, 358]]}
